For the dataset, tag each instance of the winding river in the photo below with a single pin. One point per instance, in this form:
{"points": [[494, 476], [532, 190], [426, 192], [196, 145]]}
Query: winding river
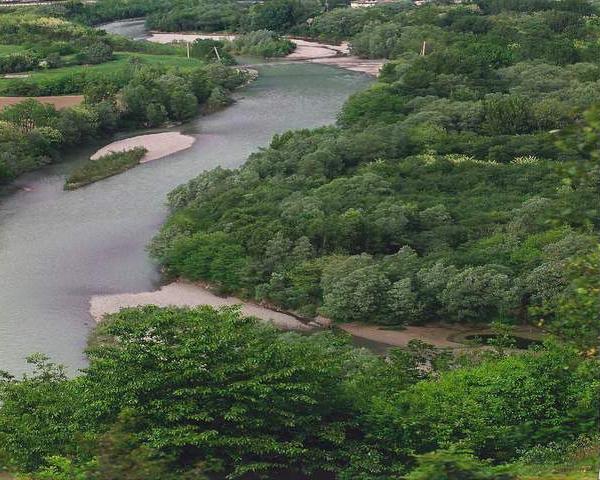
{"points": [[57, 248]]}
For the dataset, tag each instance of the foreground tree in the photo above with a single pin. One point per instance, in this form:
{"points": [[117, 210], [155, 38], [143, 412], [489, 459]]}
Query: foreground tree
{"points": [[183, 391]]}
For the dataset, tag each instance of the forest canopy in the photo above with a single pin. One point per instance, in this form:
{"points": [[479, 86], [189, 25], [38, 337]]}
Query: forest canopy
{"points": [[443, 193]]}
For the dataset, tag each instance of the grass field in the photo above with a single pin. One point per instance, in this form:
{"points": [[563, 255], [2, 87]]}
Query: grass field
{"points": [[8, 49], [121, 60], [71, 80]]}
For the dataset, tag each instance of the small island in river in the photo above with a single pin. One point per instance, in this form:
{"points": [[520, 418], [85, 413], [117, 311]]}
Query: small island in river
{"points": [[157, 145]]}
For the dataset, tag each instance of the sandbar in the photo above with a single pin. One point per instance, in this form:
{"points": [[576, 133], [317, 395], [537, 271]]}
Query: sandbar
{"points": [[158, 145], [184, 294]]}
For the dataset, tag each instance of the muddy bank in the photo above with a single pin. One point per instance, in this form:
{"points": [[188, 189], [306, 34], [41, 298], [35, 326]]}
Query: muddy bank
{"points": [[158, 145], [183, 294], [438, 335]]}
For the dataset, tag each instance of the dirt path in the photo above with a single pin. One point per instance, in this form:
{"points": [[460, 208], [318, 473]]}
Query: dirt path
{"points": [[60, 101]]}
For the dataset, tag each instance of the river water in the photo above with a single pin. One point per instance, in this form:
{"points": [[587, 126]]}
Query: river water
{"points": [[59, 248]]}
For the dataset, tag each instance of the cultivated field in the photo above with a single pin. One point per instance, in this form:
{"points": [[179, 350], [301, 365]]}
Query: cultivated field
{"points": [[59, 101]]}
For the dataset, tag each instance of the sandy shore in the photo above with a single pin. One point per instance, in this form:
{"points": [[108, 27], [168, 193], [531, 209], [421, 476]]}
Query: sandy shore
{"points": [[306, 51], [158, 37], [158, 145], [183, 294], [59, 101], [352, 63]]}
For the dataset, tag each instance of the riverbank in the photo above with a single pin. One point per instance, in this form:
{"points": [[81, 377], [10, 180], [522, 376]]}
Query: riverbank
{"points": [[61, 248], [306, 51], [184, 294], [157, 145]]}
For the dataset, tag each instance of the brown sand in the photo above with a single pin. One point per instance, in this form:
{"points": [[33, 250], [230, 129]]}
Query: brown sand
{"points": [[61, 101], [158, 145], [183, 294], [436, 335]]}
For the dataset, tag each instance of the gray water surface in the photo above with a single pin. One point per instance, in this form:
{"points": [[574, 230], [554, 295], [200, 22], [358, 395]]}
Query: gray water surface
{"points": [[59, 248]]}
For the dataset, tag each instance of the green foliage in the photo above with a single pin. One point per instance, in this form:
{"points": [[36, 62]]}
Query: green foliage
{"points": [[203, 16], [26, 442], [151, 91], [108, 10], [451, 154], [197, 390], [498, 407], [178, 394], [106, 166], [577, 313], [263, 43], [453, 465], [213, 257], [76, 79], [279, 15], [204, 49]]}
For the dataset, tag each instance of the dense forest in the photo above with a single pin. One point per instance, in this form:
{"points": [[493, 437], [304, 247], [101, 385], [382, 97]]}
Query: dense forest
{"points": [[461, 187], [446, 191]]}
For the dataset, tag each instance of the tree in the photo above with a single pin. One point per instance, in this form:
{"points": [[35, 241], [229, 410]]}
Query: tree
{"points": [[454, 464], [402, 302], [214, 387], [213, 257], [508, 114], [577, 310], [495, 408], [477, 294], [26, 439], [97, 52], [29, 114], [353, 290]]}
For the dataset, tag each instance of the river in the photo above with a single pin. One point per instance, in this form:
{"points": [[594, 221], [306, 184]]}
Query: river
{"points": [[57, 248]]}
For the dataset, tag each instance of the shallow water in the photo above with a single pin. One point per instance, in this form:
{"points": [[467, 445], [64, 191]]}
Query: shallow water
{"points": [[59, 248]]}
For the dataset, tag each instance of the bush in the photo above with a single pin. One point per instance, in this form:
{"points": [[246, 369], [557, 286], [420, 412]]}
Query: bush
{"points": [[104, 167], [263, 43], [454, 465]]}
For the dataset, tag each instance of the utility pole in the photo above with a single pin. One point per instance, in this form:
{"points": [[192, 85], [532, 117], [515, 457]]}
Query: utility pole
{"points": [[217, 52], [188, 49], [423, 48]]}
